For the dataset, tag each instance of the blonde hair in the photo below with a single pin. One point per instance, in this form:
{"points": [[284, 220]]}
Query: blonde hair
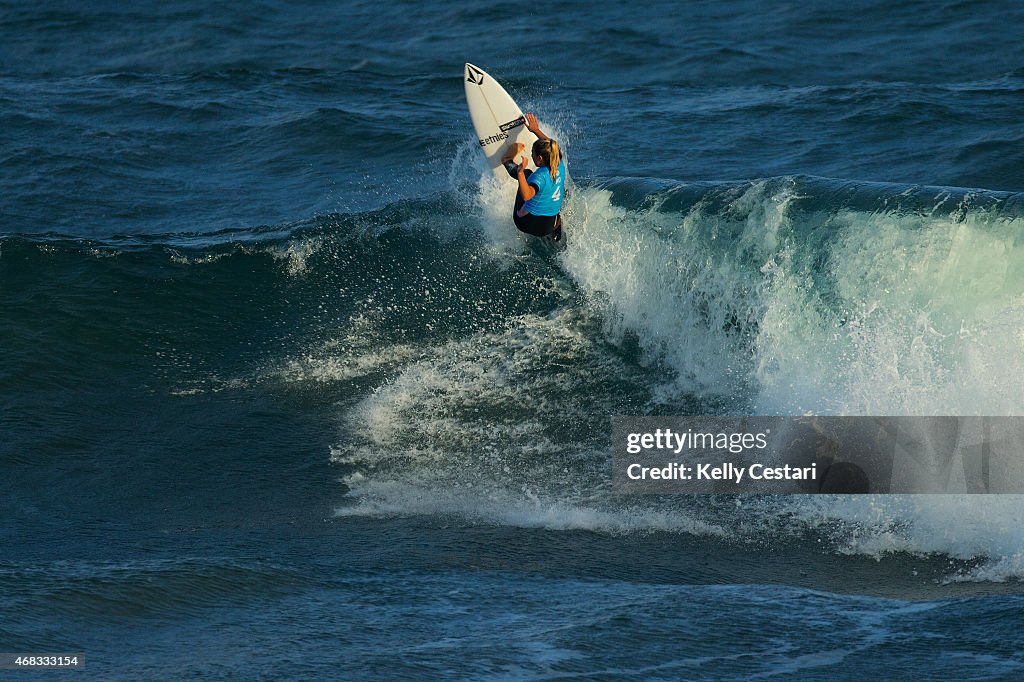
{"points": [[550, 154]]}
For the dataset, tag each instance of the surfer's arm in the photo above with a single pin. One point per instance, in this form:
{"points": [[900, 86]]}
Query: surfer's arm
{"points": [[534, 127], [526, 190]]}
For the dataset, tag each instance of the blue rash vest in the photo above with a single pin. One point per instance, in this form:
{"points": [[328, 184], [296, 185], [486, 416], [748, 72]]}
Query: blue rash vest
{"points": [[550, 193]]}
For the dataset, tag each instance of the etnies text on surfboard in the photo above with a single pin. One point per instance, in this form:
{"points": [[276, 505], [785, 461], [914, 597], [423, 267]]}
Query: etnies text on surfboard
{"points": [[493, 138]]}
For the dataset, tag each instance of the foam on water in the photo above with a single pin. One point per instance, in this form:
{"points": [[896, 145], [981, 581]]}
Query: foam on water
{"points": [[986, 531]]}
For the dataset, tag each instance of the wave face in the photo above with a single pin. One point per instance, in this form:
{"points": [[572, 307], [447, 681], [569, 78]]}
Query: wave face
{"points": [[472, 372], [800, 295]]}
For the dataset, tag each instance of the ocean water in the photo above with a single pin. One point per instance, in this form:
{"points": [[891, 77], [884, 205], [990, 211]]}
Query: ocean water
{"points": [[283, 394]]}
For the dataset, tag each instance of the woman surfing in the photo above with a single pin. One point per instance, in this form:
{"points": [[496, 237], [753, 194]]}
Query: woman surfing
{"points": [[538, 205]]}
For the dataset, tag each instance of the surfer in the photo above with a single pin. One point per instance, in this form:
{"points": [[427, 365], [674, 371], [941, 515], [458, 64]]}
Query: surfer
{"points": [[538, 206]]}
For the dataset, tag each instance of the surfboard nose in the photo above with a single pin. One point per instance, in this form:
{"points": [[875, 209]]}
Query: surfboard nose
{"points": [[474, 74]]}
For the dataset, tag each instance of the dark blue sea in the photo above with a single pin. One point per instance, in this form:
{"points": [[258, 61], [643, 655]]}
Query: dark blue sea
{"points": [[284, 394]]}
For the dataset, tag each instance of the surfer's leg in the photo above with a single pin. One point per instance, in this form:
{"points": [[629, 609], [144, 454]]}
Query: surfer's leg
{"points": [[556, 234], [520, 222]]}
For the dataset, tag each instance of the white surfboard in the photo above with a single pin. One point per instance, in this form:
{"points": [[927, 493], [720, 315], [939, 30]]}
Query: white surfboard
{"points": [[498, 120]]}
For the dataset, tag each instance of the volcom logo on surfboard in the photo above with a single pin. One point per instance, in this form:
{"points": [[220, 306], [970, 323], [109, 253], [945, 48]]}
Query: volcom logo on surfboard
{"points": [[475, 76]]}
